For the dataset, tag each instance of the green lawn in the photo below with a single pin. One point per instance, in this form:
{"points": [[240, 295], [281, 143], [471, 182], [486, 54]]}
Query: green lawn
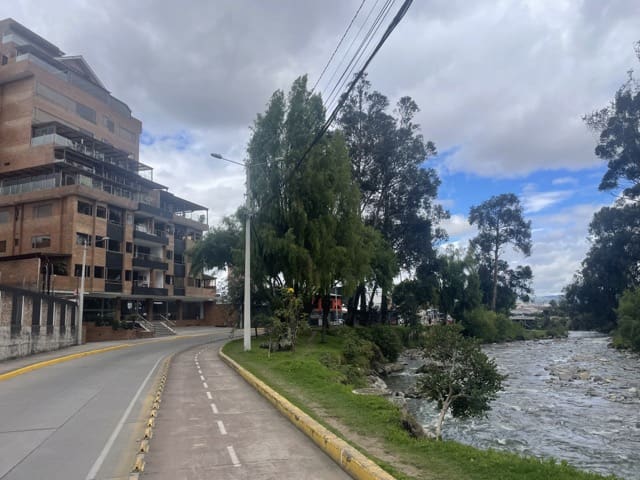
{"points": [[306, 381]]}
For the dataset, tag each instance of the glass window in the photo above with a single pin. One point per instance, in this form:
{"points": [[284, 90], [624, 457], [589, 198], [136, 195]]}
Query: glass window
{"points": [[98, 272], [3, 246], [85, 112], [77, 270], [40, 211], [4, 216], [83, 238], [129, 247], [109, 124], [101, 212], [127, 275], [85, 208], [169, 254], [41, 241]]}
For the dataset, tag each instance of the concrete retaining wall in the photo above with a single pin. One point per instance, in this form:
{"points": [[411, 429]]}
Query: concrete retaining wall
{"points": [[31, 322]]}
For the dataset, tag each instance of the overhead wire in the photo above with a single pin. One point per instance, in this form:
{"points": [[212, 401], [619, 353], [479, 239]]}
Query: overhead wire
{"points": [[355, 59], [346, 32]]}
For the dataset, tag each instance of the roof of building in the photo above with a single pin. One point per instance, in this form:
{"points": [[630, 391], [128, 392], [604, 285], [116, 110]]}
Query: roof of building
{"points": [[11, 24]]}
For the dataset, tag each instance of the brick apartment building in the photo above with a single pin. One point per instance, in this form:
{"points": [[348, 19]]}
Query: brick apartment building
{"points": [[71, 182]]}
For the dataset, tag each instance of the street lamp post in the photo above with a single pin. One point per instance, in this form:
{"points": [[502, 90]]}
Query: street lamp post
{"points": [[247, 256], [81, 290]]}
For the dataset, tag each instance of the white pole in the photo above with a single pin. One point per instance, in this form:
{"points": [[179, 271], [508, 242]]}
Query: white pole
{"points": [[81, 292], [247, 269]]}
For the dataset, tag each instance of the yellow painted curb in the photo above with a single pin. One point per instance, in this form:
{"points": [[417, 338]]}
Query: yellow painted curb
{"points": [[53, 361], [350, 460]]}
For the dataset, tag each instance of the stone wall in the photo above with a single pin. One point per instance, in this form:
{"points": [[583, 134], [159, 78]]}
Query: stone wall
{"points": [[32, 322], [107, 333]]}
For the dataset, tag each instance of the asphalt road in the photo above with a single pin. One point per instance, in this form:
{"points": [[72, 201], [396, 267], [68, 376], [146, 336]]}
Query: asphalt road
{"points": [[81, 419]]}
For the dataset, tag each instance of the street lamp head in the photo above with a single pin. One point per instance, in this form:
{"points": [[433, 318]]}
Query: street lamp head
{"points": [[217, 155]]}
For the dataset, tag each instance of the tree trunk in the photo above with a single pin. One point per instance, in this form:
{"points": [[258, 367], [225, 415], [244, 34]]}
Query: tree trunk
{"points": [[326, 309], [443, 412], [495, 278]]}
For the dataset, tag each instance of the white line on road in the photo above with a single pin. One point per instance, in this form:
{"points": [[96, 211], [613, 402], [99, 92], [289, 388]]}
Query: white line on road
{"points": [[204, 384], [200, 371], [98, 463], [234, 457], [223, 431], [215, 410], [209, 395], [201, 378]]}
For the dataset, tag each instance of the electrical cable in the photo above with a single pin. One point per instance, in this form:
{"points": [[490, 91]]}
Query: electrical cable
{"points": [[338, 46]]}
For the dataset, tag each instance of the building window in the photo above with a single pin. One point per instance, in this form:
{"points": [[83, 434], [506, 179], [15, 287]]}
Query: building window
{"points": [[40, 211], [41, 241], [127, 275], [100, 243], [169, 254], [5, 60], [86, 112], [16, 242], [115, 216], [98, 272], [83, 239], [77, 270], [85, 208], [114, 246], [4, 216], [129, 219], [109, 124], [3, 246], [129, 247], [101, 212]]}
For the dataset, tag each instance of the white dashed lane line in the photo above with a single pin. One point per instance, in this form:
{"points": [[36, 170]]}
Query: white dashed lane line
{"points": [[223, 430], [234, 457], [209, 395], [204, 384], [214, 408]]}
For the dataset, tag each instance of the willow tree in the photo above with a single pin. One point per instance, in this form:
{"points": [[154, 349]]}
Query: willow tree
{"points": [[307, 230]]}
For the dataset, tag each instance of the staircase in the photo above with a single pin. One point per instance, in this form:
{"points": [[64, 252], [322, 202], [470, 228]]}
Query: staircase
{"points": [[161, 327]]}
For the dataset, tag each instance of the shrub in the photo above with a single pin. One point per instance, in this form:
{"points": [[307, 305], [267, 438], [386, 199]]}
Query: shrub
{"points": [[627, 335], [388, 340]]}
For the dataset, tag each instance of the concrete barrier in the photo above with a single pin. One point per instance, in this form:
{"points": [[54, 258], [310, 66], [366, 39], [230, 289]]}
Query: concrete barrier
{"points": [[350, 460]]}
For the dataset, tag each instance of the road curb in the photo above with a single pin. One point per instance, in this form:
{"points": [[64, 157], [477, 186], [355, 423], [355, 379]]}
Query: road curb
{"points": [[143, 445], [53, 361], [350, 460]]}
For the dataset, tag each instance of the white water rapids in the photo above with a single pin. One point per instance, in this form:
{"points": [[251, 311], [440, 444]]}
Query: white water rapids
{"points": [[572, 399]]}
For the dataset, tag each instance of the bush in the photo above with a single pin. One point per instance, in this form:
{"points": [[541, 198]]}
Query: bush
{"points": [[388, 340], [627, 335], [489, 326], [360, 352]]}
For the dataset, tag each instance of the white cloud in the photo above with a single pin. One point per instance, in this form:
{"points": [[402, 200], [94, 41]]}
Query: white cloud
{"points": [[536, 201], [564, 181]]}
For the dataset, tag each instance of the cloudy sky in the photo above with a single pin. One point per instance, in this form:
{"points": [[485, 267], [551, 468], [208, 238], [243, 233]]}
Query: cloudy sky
{"points": [[502, 86]]}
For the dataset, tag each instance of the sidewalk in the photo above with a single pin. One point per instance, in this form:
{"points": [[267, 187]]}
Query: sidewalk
{"points": [[16, 363], [212, 424]]}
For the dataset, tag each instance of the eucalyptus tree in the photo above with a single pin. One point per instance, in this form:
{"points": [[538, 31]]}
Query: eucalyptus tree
{"points": [[397, 192], [500, 222]]}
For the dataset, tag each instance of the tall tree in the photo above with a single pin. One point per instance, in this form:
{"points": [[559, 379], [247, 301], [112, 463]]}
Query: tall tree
{"points": [[500, 222], [306, 218], [612, 263], [397, 192]]}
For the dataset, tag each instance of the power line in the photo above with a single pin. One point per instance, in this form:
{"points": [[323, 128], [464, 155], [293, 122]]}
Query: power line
{"points": [[364, 45], [338, 46], [394, 23]]}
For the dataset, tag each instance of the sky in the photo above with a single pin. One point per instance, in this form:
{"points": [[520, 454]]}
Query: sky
{"points": [[502, 87]]}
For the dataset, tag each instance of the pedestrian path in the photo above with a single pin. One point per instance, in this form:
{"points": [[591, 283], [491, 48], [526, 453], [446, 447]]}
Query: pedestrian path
{"points": [[212, 424]]}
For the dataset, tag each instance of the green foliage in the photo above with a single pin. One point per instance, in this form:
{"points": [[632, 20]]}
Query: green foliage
{"points": [[388, 340], [500, 222], [457, 375], [309, 380], [627, 335]]}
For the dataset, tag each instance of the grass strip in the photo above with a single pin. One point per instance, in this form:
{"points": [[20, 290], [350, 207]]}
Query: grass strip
{"points": [[373, 425]]}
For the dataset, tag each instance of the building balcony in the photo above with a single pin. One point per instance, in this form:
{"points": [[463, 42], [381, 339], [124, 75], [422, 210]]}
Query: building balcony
{"points": [[179, 291], [149, 261], [153, 211], [151, 291], [142, 237], [112, 286]]}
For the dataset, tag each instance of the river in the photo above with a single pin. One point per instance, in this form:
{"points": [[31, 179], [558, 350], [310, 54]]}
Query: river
{"points": [[572, 399]]}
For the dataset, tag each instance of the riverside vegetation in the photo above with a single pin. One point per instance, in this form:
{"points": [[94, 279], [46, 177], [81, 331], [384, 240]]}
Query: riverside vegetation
{"points": [[320, 378]]}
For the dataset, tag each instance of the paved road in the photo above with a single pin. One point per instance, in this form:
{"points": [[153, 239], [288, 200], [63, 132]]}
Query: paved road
{"points": [[212, 424], [80, 419]]}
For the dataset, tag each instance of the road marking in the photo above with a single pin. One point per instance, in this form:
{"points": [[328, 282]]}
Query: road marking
{"points": [[103, 455], [201, 378], [234, 457], [204, 384], [215, 410], [209, 395], [223, 431], [200, 371]]}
